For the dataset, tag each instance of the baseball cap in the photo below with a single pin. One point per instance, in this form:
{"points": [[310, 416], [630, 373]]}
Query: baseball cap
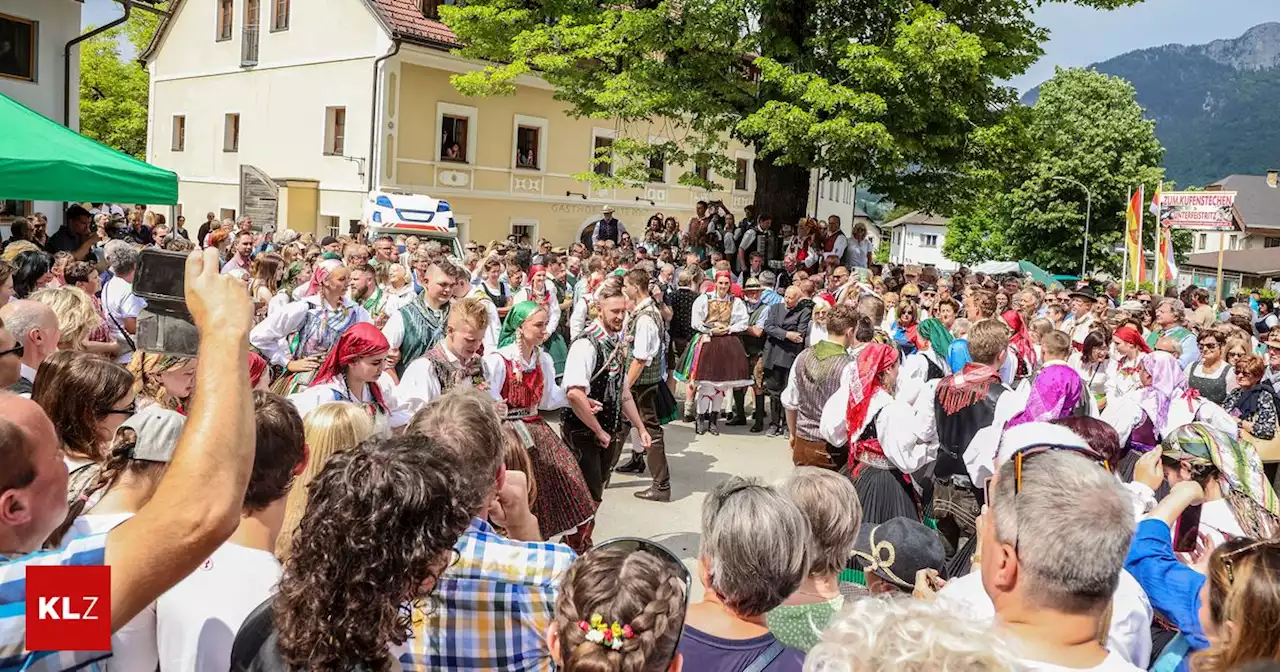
{"points": [[158, 430], [328, 240], [896, 549]]}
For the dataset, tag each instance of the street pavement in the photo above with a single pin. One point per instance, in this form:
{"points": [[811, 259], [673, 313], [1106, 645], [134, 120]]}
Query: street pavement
{"points": [[697, 464]]}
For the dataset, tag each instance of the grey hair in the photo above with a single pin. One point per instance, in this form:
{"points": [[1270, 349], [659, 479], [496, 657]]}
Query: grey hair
{"points": [[960, 327], [1179, 311], [1071, 523], [22, 315], [900, 633], [668, 266], [831, 505], [122, 259], [749, 533]]}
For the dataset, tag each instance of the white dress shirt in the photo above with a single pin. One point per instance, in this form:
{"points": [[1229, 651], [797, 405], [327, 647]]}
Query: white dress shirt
{"points": [[495, 371], [896, 426], [648, 341], [737, 320], [553, 305], [272, 335], [393, 330]]}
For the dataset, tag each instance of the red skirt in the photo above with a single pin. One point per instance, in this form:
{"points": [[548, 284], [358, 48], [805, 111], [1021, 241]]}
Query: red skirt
{"points": [[722, 360], [563, 501]]}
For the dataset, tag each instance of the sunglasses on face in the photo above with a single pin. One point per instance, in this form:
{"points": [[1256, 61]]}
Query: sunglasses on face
{"points": [[128, 410], [17, 350], [1210, 345]]}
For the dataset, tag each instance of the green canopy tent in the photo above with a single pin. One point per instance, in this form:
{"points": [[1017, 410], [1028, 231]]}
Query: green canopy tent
{"points": [[1022, 267], [42, 160]]}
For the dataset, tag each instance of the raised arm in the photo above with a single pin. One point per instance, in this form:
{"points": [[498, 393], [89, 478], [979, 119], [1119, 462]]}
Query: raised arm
{"points": [[197, 504]]}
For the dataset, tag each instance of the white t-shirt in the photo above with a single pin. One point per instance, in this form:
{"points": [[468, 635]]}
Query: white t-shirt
{"points": [[1128, 639], [133, 647], [120, 303], [1114, 662], [197, 620]]}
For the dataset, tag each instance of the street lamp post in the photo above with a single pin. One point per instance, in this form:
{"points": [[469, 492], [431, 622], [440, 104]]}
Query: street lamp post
{"points": [[1088, 210]]}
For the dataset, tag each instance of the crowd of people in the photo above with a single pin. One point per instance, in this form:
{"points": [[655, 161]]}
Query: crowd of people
{"points": [[360, 468]]}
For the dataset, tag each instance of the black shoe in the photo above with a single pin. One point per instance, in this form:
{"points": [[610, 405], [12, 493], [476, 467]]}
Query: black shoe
{"points": [[737, 421], [712, 428], [635, 465], [758, 425], [655, 494], [778, 430], [700, 424]]}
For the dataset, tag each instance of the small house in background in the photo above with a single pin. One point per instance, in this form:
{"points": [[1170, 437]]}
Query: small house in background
{"points": [[917, 238], [1241, 269]]}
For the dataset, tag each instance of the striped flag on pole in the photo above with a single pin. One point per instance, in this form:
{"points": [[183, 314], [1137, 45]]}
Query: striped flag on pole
{"points": [[1133, 239]]}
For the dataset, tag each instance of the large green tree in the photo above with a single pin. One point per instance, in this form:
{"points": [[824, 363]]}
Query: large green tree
{"points": [[114, 89], [903, 94], [1085, 127]]}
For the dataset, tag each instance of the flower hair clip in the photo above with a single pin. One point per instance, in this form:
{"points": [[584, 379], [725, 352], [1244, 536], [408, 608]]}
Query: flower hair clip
{"points": [[610, 635]]}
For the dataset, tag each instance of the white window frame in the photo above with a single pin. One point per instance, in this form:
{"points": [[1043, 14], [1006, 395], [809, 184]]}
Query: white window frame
{"points": [[330, 112], [924, 240], [534, 228], [591, 149], [226, 131], [473, 119], [751, 160], [543, 127], [177, 141], [217, 21], [331, 225]]}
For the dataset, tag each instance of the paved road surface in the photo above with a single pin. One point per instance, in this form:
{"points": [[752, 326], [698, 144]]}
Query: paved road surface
{"points": [[697, 463]]}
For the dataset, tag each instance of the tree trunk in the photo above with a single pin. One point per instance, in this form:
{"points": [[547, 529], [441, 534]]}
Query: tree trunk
{"points": [[781, 191]]}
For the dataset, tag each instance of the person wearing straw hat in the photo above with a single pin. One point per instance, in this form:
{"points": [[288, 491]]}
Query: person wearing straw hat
{"points": [[607, 228]]}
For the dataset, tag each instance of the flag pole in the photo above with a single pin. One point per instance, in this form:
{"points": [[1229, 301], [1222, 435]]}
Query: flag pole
{"points": [[1222, 245], [1159, 279], [1124, 268], [1142, 255]]}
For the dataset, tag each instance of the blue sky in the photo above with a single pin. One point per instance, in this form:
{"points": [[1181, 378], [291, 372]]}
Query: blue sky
{"points": [[1079, 36]]}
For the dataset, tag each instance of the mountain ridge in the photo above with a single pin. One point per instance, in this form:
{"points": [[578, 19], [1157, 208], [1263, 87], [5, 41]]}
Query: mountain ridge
{"points": [[1214, 104]]}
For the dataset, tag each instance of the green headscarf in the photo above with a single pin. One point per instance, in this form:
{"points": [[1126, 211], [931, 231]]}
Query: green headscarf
{"points": [[516, 317], [939, 338]]}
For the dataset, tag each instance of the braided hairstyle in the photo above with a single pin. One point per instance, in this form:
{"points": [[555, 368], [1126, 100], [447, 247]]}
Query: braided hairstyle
{"points": [[119, 462], [631, 588]]}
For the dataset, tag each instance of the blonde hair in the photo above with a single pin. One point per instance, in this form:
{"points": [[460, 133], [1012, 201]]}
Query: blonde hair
{"points": [[906, 635], [146, 368], [471, 311], [75, 311], [12, 250], [329, 429]]}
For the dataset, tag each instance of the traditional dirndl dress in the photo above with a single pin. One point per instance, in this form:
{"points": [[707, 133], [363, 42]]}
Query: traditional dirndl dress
{"points": [[563, 502], [718, 360], [884, 491]]}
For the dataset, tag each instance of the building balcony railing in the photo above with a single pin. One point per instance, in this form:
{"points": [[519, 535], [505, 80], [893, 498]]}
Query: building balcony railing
{"points": [[249, 47]]}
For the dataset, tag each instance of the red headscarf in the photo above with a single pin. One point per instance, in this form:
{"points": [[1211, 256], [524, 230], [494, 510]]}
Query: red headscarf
{"points": [[360, 341], [1132, 337], [1019, 339], [257, 367], [873, 360]]}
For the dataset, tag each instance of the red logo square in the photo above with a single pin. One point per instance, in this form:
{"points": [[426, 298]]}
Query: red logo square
{"points": [[68, 608]]}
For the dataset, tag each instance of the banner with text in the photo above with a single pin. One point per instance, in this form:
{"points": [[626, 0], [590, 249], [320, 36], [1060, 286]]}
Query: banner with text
{"points": [[1198, 210]]}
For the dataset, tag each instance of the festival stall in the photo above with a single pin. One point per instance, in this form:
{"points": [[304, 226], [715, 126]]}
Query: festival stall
{"points": [[42, 160]]}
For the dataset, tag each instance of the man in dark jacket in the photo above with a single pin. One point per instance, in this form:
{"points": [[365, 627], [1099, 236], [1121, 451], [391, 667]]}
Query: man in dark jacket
{"points": [[785, 331]]}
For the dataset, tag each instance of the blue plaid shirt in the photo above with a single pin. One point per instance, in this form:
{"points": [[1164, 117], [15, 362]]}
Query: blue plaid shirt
{"points": [[491, 609], [13, 605]]}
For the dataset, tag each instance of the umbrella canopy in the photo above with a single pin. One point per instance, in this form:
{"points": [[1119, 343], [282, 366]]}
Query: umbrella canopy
{"points": [[1024, 267], [42, 160]]}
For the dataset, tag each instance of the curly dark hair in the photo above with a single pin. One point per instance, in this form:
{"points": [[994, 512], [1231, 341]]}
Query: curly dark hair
{"points": [[381, 521], [630, 588]]}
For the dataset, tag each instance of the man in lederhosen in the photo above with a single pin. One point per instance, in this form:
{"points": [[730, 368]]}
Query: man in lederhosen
{"points": [[645, 380], [595, 383]]}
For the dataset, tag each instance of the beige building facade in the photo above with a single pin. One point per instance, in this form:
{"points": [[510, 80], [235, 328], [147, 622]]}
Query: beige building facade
{"points": [[335, 99]]}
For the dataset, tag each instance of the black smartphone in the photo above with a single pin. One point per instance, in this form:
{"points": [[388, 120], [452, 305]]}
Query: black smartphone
{"points": [[1186, 532]]}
